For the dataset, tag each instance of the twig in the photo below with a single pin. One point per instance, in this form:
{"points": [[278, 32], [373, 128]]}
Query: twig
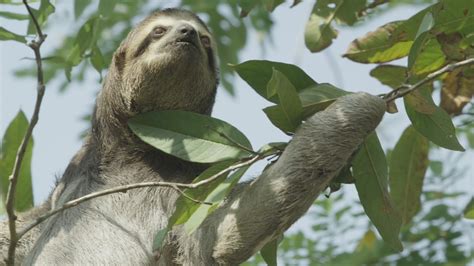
{"points": [[125, 188], [10, 200], [406, 88]]}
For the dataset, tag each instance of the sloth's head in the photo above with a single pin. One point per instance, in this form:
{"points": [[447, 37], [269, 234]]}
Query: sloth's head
{"points": [[166, 63]]}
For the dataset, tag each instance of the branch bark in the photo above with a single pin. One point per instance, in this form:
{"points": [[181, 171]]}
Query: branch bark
{"points": [[35, 45], [408, 88]]}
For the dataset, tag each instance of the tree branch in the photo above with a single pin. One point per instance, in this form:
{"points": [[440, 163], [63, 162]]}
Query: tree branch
{"points": [[125, 188], [10, 200], [407, 88]]}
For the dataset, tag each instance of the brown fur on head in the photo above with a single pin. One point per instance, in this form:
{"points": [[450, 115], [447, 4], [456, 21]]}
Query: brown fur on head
{"points": [[167, 62]]}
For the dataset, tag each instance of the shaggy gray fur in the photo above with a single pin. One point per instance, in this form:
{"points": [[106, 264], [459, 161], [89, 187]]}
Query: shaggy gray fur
{"points": [[118, 229]]}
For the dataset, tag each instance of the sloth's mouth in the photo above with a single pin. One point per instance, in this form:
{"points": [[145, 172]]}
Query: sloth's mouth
{"points": [[187, 42]]}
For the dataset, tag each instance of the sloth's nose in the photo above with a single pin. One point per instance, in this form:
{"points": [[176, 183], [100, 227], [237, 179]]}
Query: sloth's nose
{"points": [[187, 30]]}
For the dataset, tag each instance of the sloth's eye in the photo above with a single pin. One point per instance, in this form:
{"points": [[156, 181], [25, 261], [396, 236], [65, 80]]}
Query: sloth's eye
{"points": [[158, 32], [206, 41]]}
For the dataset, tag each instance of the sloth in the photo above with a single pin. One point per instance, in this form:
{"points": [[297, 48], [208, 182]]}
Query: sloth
{"points": [[168, 62]]}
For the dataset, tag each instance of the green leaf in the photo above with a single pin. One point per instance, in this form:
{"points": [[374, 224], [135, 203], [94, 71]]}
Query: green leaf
{"points": [[319, 97], [257, 73], [41, 15], [437, 127], [246, 6], [6, 35], [451, 16], [370, 172], [215, 197], [416, 48], [430, 58], [319, 33], [190, 136], [186, 207], [469, 210], [390, 75], [408, 164], [97, 60], [80, 6], [159, 240], [289, 102], [10, 15], [269, 252], [10, 143], [106, 7]]}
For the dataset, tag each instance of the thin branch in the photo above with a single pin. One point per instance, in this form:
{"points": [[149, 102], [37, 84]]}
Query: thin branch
{"points": [[10, 200], [407, 88], [125, 188]]}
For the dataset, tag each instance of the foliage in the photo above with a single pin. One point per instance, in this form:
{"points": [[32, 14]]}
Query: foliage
{"points": [[9, 146], [406, 210]]}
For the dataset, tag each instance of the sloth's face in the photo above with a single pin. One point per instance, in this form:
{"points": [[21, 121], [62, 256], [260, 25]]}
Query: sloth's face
{"points": [[169, 63]]}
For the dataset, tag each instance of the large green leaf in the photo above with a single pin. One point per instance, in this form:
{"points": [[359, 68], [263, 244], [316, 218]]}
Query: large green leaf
{"points": [[10, 143], [408, 164], [215, 197], [190, 136], [289, 107], [436, 126], [370, 172], [421, 37], [257, 73]]}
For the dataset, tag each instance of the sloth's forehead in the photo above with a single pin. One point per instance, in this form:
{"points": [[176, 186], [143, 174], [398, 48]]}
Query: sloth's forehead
{"points": [[168, 21]]}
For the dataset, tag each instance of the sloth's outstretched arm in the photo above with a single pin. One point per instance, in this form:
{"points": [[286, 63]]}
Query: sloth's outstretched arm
{"points": [[259, 211]]}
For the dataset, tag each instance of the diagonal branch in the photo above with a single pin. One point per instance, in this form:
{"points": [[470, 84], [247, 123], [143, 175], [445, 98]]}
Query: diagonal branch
{"points": [[125, 188], [407, 88], [10, 200]]}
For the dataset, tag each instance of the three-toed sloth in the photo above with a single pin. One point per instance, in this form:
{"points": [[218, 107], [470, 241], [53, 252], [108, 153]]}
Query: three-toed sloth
{"points": [[168, 62]]}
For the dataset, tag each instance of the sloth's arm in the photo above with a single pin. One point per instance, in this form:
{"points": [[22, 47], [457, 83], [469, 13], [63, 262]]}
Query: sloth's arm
{"points": [[261, 210]]}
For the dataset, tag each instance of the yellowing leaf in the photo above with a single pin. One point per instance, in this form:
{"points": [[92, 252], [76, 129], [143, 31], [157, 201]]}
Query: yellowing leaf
{"points": [[457, 91]]}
